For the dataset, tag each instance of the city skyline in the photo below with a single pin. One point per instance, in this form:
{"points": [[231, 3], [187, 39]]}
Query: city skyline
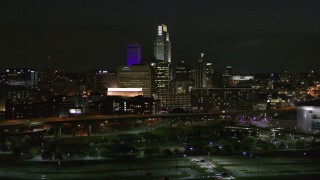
{"points": [[159, 89], [252, 37]]}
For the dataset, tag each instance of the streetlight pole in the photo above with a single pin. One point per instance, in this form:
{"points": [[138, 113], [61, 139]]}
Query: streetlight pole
{"points": [[244, 159], [191, 148], [41, 162], [102, 127], [304, 161], [209, 153], [220, 147], [13, 113]]}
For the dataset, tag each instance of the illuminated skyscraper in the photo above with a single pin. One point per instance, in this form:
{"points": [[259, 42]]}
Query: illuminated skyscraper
{"points": [[162, 44], [201, 73], [133, 53], [162, 54], [209, 74], [226, 76]]}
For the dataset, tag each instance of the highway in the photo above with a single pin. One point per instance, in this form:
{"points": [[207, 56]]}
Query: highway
{"points": [[97, 118], [100, 118]]}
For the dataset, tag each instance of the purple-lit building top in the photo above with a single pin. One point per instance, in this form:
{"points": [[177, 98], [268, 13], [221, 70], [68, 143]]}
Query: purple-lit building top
{"points": [[133, 53]]}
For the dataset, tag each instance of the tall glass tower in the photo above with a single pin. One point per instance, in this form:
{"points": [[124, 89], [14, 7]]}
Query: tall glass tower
{"points": [[162, 54], [162, 44]]}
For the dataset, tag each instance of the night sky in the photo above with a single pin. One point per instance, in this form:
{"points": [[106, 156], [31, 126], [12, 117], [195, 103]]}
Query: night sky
{"points": [[251, 36]]}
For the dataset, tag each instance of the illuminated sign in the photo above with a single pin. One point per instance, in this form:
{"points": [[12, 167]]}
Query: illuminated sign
{"points": [[124, 89], [242, 78], [103, 72], [127, 92]]}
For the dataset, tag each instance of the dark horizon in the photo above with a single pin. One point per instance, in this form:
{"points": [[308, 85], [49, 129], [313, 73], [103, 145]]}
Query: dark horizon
{"points": [[251, 36]]}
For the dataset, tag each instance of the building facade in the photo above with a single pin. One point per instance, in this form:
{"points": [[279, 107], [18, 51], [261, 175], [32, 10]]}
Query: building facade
{"points": [[201, 74], [162, 44], [133, 53], [135, 77], [209, 74], [22, 77], [308, 117], [221, 99]]}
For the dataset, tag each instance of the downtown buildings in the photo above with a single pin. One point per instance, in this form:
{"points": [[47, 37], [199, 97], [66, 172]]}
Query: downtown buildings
{"points": [[172, 84]]}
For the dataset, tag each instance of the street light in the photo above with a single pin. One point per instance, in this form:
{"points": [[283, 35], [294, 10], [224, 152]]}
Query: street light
{"points": [[302, 142], [220, 147], [191, 148], [304, 161], [209, 153], [41, 161], [244, 158], [13, 113], [102, 127]]}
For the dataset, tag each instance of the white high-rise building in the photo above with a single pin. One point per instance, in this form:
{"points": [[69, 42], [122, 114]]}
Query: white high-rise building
{"points": [[162, 44], [162, 54]]}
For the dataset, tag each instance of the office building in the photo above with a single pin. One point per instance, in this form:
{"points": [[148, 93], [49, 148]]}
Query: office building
{"points": [[137, 76], [133, 53], [162, 62], [162, 76], [162, 44], [22, 77], [308, 117], [209, 74], [182, 71], [181, 82], [104, 79], [201, 74], [226, 77], [221, 99]]}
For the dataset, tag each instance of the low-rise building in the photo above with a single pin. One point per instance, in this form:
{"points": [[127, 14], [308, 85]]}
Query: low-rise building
{"points": [[308, 116]]}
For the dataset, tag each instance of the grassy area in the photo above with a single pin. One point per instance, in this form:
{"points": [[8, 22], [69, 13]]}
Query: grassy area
{"points": [[107, 169], [281, 177]]}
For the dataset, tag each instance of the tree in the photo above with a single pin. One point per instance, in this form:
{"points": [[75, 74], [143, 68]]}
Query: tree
{"points": [[167, 152]]}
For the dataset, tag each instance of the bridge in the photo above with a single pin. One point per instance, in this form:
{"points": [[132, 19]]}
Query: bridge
{"points": [[88, 120], [100, 118]]}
